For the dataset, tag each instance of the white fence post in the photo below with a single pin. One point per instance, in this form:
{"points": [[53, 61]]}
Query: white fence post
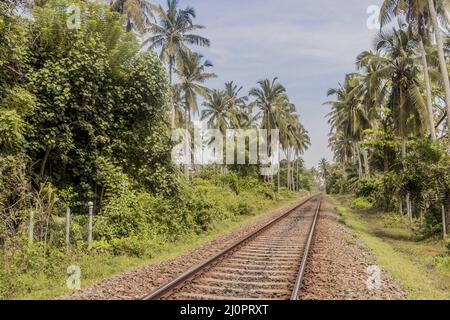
{"points": [[67, 226], [91, 213], [31, 227], [444, 222]]}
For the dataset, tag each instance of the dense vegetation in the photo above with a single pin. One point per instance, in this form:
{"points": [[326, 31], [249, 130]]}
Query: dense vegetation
{"points": [[86, 115], [390, 133]]}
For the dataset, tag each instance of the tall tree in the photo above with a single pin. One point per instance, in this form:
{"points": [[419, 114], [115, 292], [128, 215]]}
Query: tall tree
{"points": [[417, 15], [192, 72], [173, 34], [217, 111], [269, 96]]}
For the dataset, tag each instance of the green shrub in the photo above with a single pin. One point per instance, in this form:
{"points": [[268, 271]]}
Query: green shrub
{"points": [[372, 189], [132, 246], [393, 220], [361, 204], [101, 247], [243, 209]]}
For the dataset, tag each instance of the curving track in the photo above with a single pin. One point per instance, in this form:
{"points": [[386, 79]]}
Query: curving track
{"points": [[267, 264]]}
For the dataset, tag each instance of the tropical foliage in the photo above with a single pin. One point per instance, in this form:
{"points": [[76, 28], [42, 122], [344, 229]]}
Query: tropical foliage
{"points": [[388, 133]]}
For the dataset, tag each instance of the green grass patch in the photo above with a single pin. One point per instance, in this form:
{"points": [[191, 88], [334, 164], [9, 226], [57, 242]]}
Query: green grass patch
{"points": [[422, 268]]}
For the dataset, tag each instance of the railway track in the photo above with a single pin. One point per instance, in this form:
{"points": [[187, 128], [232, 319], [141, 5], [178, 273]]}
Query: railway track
{"points": [[267, 264]]}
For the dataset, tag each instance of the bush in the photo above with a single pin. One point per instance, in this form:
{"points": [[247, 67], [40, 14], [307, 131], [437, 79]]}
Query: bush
{"points": [[101, 247], [393, 220], [243, 209], [370, 189], [361, 204], [132, 246]]}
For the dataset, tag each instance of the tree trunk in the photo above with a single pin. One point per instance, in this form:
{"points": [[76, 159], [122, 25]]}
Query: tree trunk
{"points": [[366, 163], [442, 62], [171, 88], [278, 178], [187, 143], [44, 162], [278, 172], [358, 157], [408, 208], [428, 90], [386, 169], [288, 174]]}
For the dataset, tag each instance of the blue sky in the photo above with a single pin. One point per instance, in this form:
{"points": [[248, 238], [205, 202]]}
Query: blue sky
{"points": [[309, 45]]}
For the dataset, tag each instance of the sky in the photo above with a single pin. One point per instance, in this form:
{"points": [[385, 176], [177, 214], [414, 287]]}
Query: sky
{"points": [[309, 45]]}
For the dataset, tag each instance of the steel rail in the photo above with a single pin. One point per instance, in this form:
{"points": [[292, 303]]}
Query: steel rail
{"points": [[189, 274], [301, 272]]}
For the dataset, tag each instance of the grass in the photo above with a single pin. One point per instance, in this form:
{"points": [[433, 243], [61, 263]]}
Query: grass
{"points": [[422, 268], [97, 268]]}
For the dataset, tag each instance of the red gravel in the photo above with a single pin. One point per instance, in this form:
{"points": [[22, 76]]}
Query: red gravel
{"points": [[337, 267]]}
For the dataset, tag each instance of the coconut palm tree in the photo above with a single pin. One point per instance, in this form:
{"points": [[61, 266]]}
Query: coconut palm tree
{"points": [[270, 96], [138, 13], [243, 112], [217, 111], [398, 68], [173, 34], [192, 73], [417, 16], [349, 116], [178, 102]]}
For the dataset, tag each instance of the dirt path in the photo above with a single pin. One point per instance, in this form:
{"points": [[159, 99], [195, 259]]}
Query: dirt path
{"points": [[338, 265]]}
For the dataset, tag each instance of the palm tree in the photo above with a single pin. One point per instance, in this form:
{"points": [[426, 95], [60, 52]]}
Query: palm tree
{"points": [[217, 111], [192, 74], [417, 16], [178, 102], [396, 56], [173, 34], [138, 13], [239, 106], [270, 96], [349, 115], [396, 67]]}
